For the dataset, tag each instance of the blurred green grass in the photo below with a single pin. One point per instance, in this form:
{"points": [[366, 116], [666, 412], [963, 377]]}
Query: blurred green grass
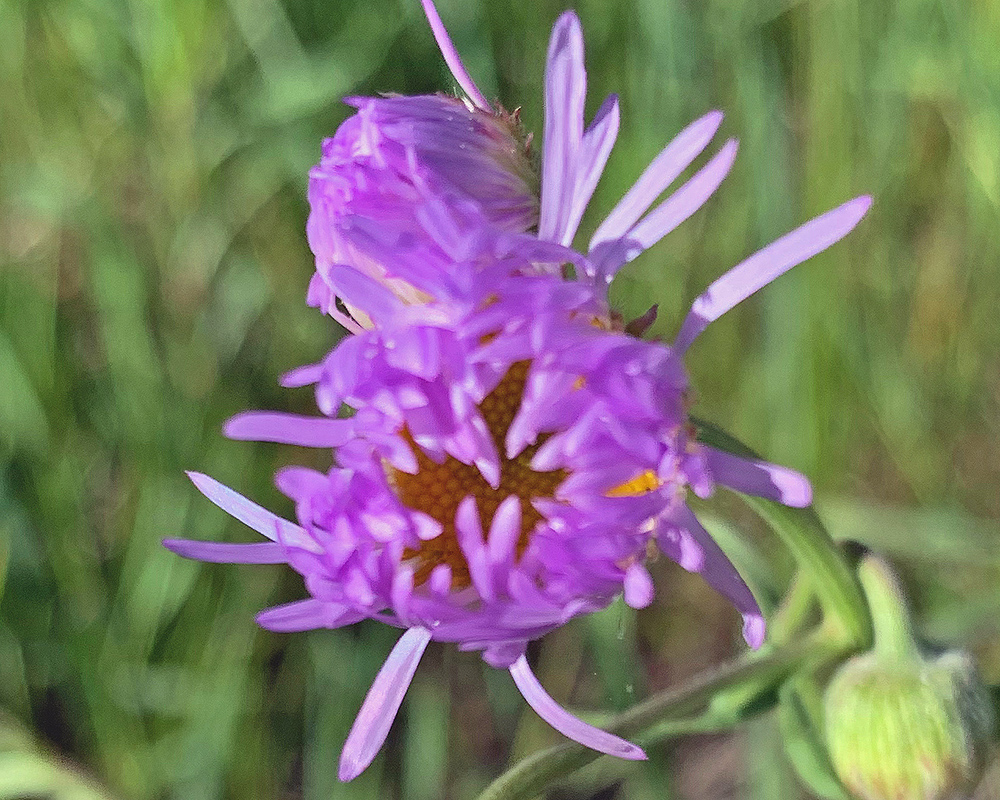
{"points": [[153, 158]]}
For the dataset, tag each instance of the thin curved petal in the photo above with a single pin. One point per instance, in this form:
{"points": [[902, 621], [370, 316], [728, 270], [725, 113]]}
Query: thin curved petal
{"points": [[565, 90], [564, 722], [610, 256], [594, 151], [764, 266], [225, 553], [721, 575], [760, 478], [686, 200], [451, 57], [676, 157], [276, 426], [378, 711], [236, 505]]}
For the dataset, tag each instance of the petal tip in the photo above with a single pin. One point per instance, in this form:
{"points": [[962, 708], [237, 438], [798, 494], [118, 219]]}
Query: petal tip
{"points": [[568, 18], [349, 768], [863, 203], [753, 630], [798, 493], [176, 546], [709, 124], [634, 753], [202, 482], [234, 428]]}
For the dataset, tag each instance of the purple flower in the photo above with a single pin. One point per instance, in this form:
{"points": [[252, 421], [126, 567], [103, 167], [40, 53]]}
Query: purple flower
{"points": [[513, 452]]}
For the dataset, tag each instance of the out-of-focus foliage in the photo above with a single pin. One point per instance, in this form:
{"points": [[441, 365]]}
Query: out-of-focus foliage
{"points": [[153, 158]]}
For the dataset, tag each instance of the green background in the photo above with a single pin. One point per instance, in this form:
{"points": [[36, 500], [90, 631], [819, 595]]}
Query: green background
{"points": [[153, 265]]}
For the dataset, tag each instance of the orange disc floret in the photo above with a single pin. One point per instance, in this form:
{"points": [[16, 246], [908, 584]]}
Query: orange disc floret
{"points": [[438, 489]]}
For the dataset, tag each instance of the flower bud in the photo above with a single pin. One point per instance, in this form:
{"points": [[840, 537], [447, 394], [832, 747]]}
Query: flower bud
{"points": [[901, 725], [382, 172]]}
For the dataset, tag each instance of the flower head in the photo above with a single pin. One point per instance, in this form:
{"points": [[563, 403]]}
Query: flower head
{"points": [[375, 171], [513, 453]]}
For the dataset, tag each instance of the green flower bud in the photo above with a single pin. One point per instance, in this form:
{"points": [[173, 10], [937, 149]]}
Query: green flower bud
{"points": [[899, 725]]}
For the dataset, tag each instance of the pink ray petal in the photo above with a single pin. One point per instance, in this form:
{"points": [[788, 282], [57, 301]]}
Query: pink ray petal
{"points": [[564, 722], [662, 171], [246, 511], [638, 586], [565, 90], [594, 151], [307, 615], [381, 704], [765, 265], [691, 196], [505, 530], [719, 572], [225, 553], [760, 478], [686, 200], [451, 56], [276, 426], [302, 376]]}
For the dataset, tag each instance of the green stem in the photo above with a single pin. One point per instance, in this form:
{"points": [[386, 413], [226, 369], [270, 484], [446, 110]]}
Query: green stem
{"points": [[802, 532], [834, 582], [893, 629], [797, 610], [649, 721]]}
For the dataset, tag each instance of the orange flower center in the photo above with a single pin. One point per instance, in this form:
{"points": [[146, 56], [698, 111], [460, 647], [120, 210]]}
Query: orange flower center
{"points": [[438, 489]]}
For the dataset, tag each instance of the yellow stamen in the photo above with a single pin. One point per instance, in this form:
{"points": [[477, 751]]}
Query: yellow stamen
{"points": [[640, 484]]}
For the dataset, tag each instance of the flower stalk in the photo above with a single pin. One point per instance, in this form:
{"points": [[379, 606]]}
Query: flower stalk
{"points": [[707, 702], [893, 628]]}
